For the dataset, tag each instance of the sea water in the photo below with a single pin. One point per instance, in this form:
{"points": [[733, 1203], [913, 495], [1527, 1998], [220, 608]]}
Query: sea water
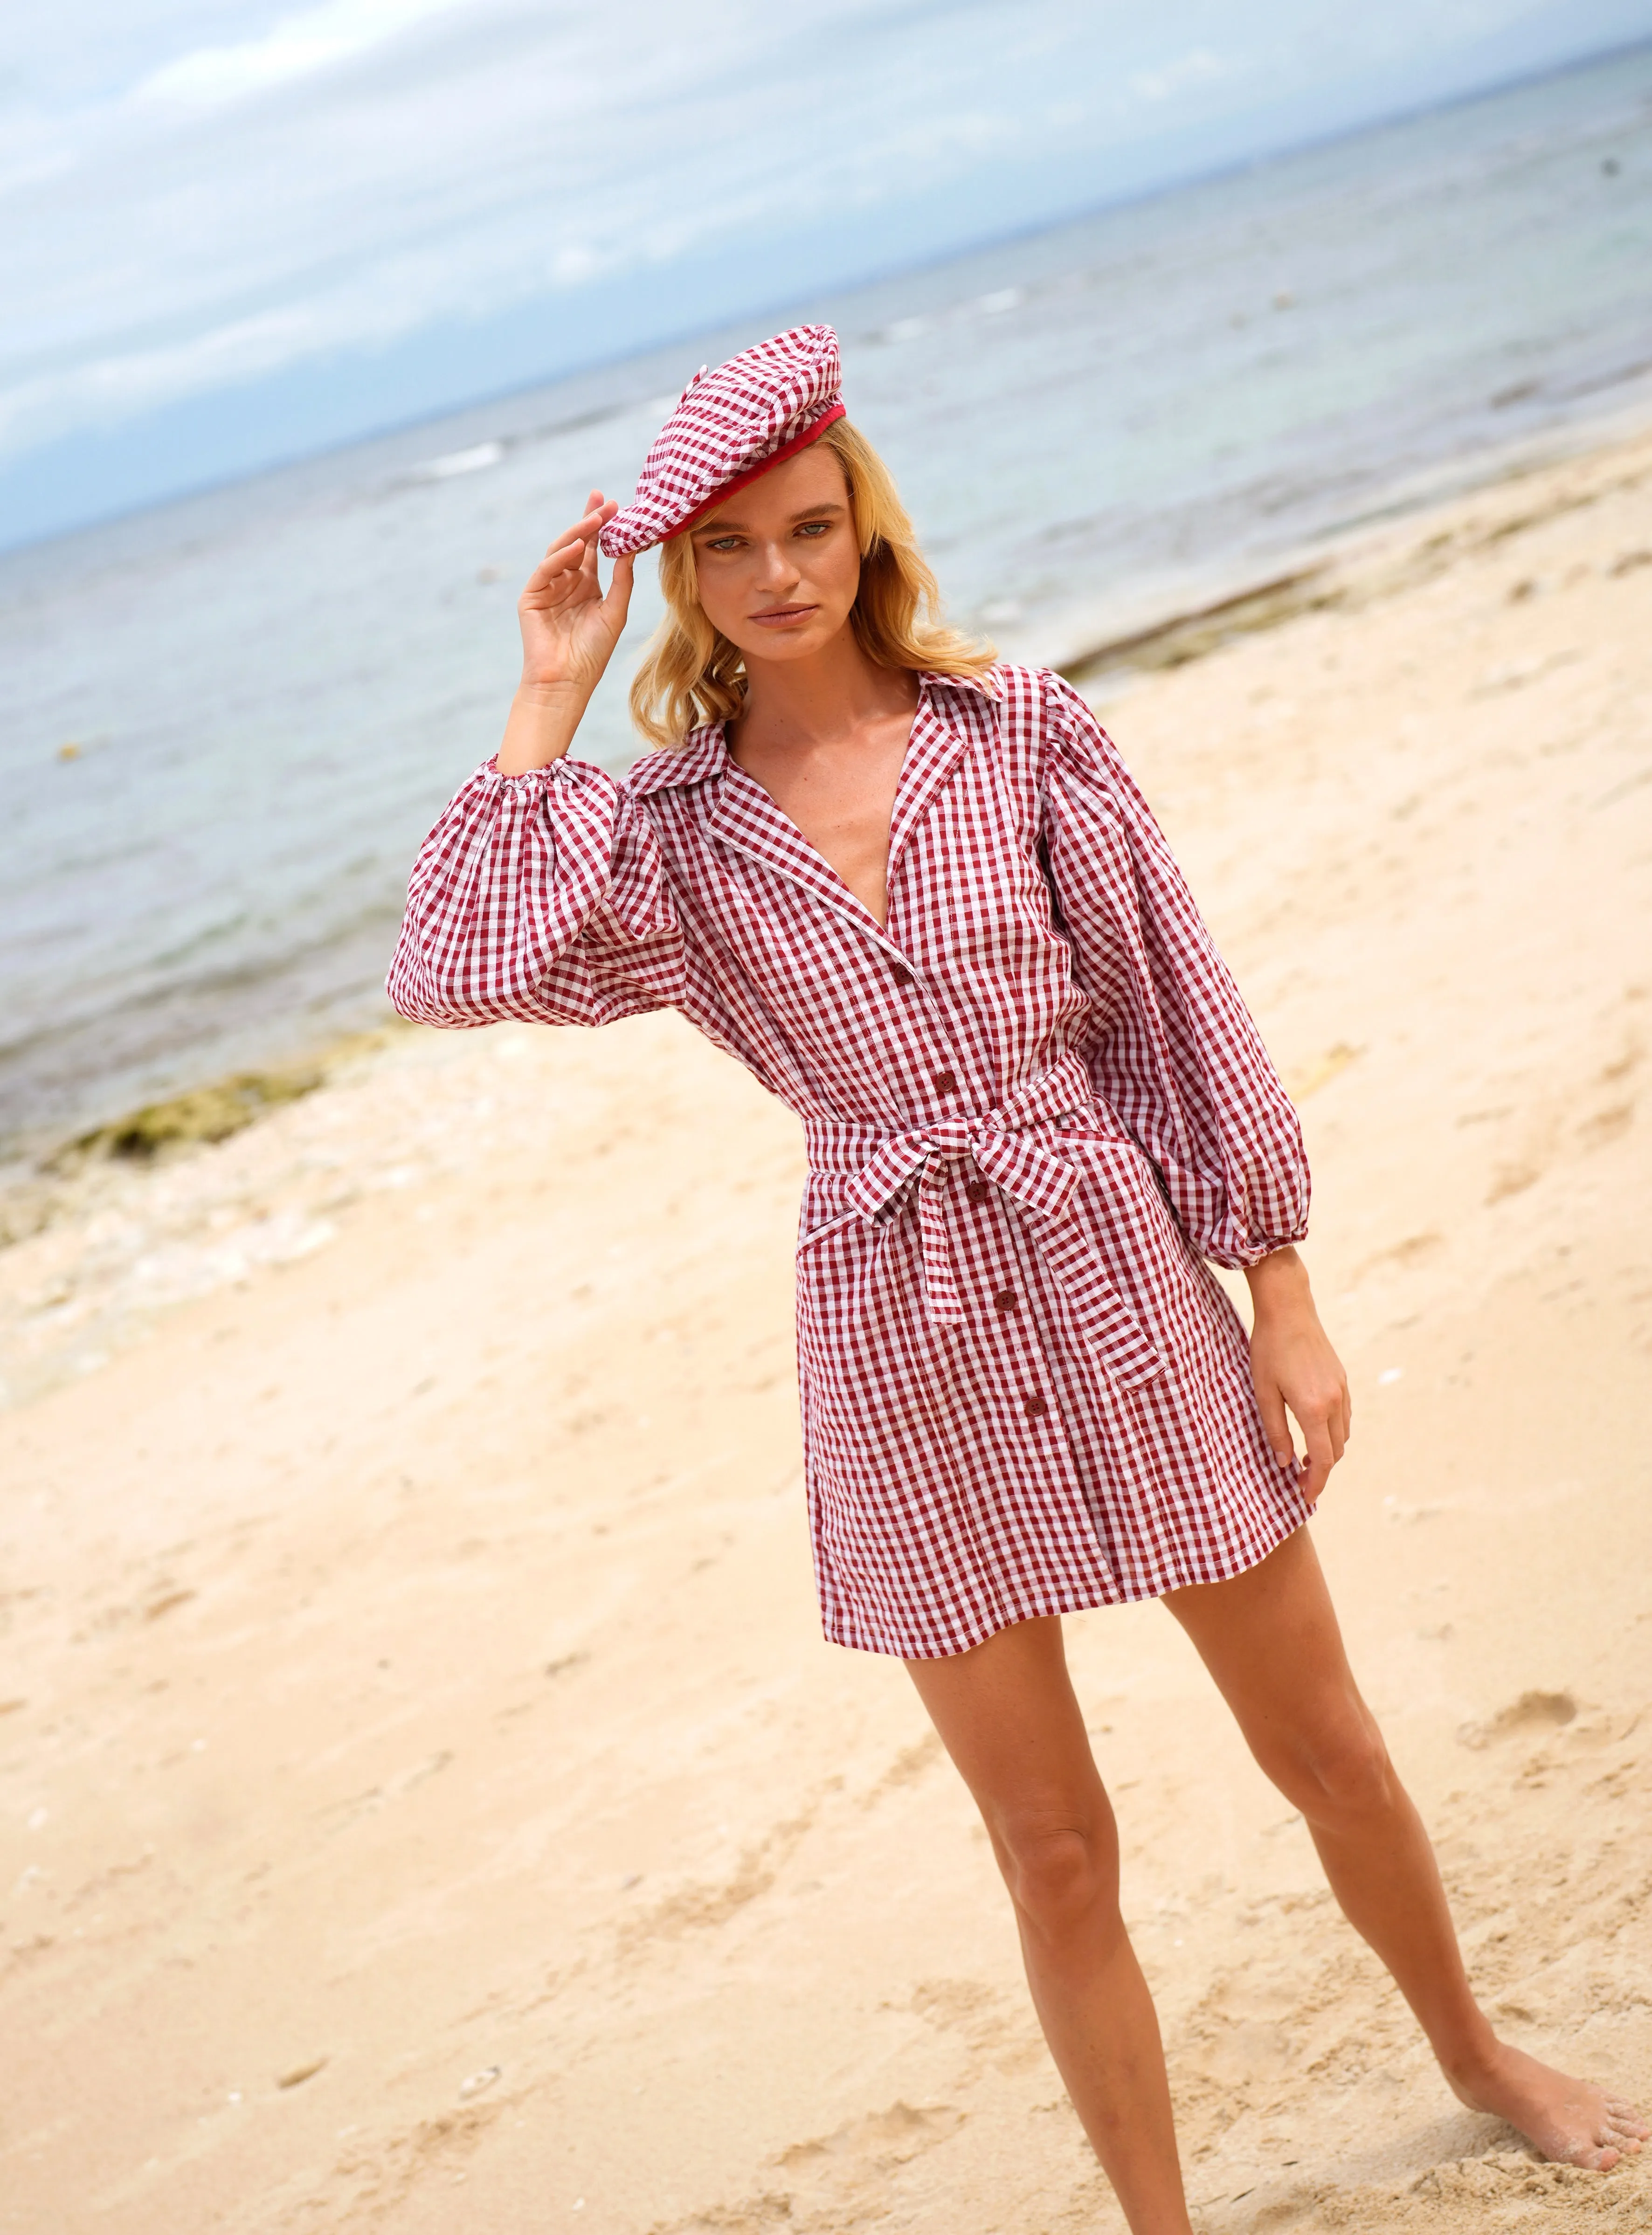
{"points": [[229, 721]]}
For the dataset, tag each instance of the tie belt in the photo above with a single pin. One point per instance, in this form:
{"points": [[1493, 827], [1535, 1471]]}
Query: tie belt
{"points": [[1009, 1146]]}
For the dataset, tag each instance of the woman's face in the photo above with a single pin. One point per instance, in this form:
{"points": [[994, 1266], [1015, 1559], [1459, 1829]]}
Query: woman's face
{"points": [[778, 566]]}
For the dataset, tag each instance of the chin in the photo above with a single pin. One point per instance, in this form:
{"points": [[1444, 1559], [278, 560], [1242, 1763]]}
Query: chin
{"points": [[791, 644]]}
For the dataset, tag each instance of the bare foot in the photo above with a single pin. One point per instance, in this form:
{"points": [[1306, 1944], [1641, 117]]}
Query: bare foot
{"points": [[1566, 2120]]}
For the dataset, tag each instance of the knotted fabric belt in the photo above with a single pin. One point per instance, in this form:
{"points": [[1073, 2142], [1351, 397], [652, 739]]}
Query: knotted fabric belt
{"points": [[1005, 1148]]}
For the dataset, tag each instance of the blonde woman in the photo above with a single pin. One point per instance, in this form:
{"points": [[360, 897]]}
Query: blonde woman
{"points": [[915, 891]]}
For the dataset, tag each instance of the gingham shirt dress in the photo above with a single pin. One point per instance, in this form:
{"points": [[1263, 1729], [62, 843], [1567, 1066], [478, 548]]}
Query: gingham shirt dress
{"points": [[1034, 1105]]}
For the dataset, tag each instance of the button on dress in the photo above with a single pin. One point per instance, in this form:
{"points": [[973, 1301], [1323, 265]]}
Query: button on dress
{"points": [[1034, 1106]]}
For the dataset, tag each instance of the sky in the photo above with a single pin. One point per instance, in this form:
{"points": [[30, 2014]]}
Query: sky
{"points": [[231, 233]]}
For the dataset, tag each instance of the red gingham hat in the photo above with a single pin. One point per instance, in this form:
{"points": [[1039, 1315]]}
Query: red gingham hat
{"points": [[728, 426]]}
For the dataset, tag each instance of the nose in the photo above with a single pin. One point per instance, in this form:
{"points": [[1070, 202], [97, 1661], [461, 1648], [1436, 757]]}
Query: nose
{"points": [[778, 568]]}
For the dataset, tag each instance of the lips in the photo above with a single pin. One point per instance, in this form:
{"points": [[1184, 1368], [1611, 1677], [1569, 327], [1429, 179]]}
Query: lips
{"points": [[780, 615]]}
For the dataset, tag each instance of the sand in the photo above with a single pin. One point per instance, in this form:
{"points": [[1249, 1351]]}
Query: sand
{"points": [[428, 1802]]}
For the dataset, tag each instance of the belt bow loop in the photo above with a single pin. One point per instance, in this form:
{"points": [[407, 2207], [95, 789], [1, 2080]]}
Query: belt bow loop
{"points": [[1007, 1150]]}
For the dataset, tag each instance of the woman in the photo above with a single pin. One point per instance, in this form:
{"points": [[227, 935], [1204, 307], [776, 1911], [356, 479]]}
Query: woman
{"points": [[917, 894]]}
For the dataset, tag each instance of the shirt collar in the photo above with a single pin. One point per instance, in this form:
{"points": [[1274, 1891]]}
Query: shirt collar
{"points": [[704, 752], [984, 686]]}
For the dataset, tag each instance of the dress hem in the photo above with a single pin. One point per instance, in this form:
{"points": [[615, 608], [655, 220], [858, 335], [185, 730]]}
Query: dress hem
{"points": [[1077, 1601]]}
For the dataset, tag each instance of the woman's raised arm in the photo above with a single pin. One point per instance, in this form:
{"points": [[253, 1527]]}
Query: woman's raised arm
{"points": [[540, 893], [569, 631]]}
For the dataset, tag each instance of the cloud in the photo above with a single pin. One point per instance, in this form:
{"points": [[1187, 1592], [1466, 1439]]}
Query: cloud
{"points": [[195, 194], [1199, 68], [214, 76]]}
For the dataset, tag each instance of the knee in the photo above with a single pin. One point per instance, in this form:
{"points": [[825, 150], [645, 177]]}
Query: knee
{"points": [[1339, 1771], [1059, 1873]]}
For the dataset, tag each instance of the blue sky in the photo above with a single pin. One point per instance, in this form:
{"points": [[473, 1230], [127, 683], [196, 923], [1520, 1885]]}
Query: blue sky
{"points": [[230, 232]]}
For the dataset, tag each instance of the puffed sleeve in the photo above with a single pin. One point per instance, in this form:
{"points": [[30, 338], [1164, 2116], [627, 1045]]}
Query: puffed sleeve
{"points": [[1179, 1058], [541, 897]]}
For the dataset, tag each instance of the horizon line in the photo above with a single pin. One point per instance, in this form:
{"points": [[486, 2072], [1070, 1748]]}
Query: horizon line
{"points": [[874, 276]]}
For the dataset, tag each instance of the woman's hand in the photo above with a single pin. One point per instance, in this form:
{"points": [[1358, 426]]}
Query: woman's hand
{"points": [[1293, 1365], [569, 631]]}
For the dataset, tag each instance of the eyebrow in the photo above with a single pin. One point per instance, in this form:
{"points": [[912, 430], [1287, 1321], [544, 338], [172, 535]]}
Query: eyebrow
{"points": [[725, 524]]}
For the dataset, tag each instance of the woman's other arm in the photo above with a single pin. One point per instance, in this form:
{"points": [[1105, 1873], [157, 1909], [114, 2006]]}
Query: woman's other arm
{"points": [[1185, 1067], [1294, 1366], [1180, 1060]]}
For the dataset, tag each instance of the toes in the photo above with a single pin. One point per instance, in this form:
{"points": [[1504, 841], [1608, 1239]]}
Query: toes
{"points": [[1611, 2143], [1624, 2126]]}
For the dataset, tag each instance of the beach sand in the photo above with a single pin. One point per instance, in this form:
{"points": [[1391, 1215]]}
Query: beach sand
{"points": [[428, 1803]]}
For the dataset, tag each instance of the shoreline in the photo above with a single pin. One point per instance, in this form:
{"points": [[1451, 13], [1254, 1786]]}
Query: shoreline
{"points": [[1346, 569], [59, 1174], [419, 1734], [1166, 627], [248, 1155]]}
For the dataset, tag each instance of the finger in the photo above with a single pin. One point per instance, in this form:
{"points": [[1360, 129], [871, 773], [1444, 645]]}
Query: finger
{"points": [[572, 547], [545, 591], [599, 510], [617, 603], [1321, 1460], [555, 563], [1329, 1416], [592, 524], [1277, 1428], [596, 515], [566, 550]]}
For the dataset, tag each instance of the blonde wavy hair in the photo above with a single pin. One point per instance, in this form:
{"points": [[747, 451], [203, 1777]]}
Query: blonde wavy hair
{"points": [[692, 674]]}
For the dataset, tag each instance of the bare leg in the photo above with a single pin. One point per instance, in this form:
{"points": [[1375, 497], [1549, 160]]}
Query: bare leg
{"points": [[1008, 1716], [1270, 1639]]}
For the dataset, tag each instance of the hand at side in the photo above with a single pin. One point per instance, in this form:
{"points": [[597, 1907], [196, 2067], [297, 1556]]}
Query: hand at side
{"points": [[1293, 1366]]}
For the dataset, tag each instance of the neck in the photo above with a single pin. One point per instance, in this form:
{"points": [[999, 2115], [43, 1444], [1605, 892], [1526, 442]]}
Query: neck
{"points": [[807, 702]]}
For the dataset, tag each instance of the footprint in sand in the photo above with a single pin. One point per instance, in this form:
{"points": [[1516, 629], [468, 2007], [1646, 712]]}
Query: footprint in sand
{"points": [[1531, 1711], [878, 2142], [828, 2181]]}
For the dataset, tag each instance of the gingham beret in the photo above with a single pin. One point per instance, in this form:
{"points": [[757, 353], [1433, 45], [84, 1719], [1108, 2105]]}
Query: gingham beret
{"points": [[728, 426]]}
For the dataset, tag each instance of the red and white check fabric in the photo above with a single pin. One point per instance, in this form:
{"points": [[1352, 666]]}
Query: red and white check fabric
{"points": [[1034, 1105], [728, 426]]}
